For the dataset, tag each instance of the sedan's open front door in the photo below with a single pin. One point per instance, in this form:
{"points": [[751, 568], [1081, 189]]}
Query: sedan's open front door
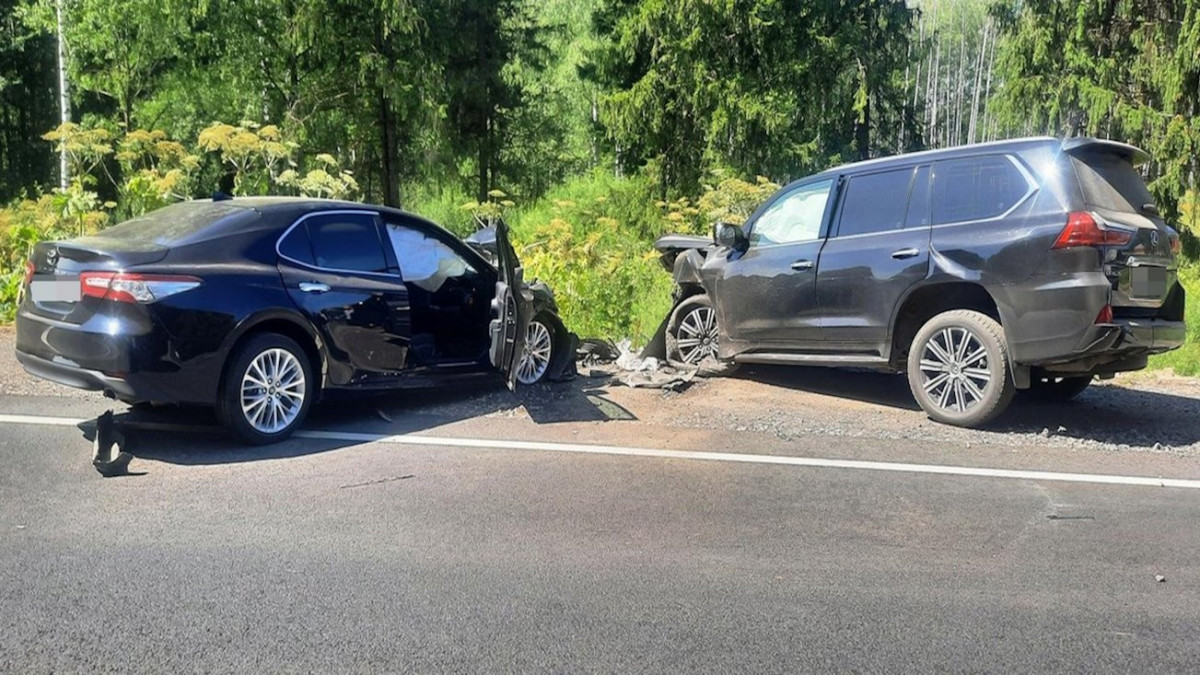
{"points": [[512, 309]]}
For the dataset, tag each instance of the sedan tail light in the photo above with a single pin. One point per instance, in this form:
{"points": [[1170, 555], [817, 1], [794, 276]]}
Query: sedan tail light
{"points": [[1084, 229], [134, 288]]}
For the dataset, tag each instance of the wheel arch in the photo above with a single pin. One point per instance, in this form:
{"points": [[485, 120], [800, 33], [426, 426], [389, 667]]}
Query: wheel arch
{"points": [[284, 323], [562, 367], [926, 301]]}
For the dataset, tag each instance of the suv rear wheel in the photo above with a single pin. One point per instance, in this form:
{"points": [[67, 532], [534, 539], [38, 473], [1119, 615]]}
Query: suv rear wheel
{"points": [[1048, 389], [267, 389], [958, 368]]}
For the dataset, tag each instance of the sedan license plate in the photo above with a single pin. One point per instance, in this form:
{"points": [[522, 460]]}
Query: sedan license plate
{"points": [[54, 291], [1148, 282]]}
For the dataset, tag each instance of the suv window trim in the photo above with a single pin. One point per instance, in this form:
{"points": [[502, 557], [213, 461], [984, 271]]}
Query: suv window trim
{"points": [[1031, 187], [376, 218]]}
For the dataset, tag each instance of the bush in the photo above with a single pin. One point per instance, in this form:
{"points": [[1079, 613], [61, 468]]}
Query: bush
{"points": [[591, 240], [1186, 359], [53, 216]]}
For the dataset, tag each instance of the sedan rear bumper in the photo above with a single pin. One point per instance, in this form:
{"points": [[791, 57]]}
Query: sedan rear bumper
{"points": [[125, 356], [74, 376]]}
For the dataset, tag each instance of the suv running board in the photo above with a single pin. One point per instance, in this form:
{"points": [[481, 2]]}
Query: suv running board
{"points": [[846, 360]]}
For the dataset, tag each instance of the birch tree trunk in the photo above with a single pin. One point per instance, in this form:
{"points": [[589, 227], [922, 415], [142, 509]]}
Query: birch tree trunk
{"points": [[64, 95], [987, 91]]}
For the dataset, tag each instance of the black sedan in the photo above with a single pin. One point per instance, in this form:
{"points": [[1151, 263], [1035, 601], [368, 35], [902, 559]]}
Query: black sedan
{"points": [[259, 305]]}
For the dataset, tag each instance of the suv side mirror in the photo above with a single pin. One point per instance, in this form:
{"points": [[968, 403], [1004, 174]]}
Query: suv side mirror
{"points": [[730, 236]]}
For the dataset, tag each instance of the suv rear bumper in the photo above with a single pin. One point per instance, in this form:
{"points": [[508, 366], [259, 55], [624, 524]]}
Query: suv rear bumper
{"points": [[1050, 323], [1119, 346], [1109, 347]]}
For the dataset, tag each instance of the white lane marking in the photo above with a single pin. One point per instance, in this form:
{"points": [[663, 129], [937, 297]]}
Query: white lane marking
{"points": [[581, 448]]}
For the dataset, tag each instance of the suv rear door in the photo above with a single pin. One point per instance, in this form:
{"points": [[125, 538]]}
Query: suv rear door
{"points": [[878, 248], [1142, 271]]}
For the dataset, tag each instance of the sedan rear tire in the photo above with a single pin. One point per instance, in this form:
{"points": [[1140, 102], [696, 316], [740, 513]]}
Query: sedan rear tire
{"points": [[267, 389], [958, 368]]}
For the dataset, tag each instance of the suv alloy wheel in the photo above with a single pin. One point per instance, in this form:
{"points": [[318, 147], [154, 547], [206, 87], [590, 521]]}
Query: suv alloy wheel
{"points": [[958, 368]]}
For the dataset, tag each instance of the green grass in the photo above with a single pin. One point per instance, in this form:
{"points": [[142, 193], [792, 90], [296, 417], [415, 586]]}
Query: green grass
{"points": [[1186, 359]]}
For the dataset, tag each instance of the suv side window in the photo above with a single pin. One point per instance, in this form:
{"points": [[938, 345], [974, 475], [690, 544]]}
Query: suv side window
{"points": [[975, 188], [795, 217], [875, 202], [348, 242]]}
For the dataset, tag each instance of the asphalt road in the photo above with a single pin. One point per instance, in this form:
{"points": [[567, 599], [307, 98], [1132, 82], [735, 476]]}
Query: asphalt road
{"points": [[342, 556], [353, 555]]}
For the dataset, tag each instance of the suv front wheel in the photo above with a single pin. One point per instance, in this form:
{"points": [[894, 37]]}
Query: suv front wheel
{"points": [[958, 368], [693, 338]]}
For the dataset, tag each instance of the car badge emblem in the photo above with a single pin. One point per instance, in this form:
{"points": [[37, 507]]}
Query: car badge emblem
{"points": [[1154, 239], [52, 256]]}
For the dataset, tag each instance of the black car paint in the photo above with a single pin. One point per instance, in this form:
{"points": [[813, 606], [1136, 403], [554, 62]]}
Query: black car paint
{"points": [[1047, 301], [174, 349]]}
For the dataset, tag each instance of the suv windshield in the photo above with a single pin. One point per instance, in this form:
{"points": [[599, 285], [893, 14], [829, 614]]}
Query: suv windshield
{"points": [[1109, 181]]}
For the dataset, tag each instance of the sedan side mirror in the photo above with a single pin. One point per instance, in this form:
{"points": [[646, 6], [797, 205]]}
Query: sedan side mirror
{"points": [[730, 236]]}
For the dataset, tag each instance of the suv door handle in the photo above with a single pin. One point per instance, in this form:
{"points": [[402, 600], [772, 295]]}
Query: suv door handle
{"points": [[801, 265], [906, 253], [313, 287]]}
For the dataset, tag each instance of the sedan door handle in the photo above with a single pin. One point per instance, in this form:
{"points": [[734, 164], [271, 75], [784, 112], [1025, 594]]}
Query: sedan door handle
{"points": [[313, 287], [906, 253], [801, 265]]}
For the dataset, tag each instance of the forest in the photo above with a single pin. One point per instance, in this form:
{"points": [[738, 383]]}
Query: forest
{"points": [[591, 126]]}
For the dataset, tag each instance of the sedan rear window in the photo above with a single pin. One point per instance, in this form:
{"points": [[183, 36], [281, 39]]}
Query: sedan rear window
{"points": [[1109, 181], [172, 225]]}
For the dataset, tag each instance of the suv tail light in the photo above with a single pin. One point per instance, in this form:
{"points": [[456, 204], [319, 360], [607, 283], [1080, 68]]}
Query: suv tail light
{"points": [[1083, 229], [30, 268], [1105, 315], [134, 288], [1176, 246]]}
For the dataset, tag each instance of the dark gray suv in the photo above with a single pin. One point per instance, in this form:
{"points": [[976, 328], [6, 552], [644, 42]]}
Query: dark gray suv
{"points": [[1033, 264]]}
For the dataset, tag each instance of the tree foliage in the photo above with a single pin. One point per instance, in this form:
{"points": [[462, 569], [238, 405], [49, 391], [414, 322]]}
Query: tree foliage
{"points": [[762, 86]]}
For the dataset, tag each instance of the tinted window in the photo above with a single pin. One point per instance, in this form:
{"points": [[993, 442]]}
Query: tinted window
{"points": [[795, 217], [176, 223], [918, 202], [875, 202], [346, 242], [1109, 181], [975, 188], [295, 245]]}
